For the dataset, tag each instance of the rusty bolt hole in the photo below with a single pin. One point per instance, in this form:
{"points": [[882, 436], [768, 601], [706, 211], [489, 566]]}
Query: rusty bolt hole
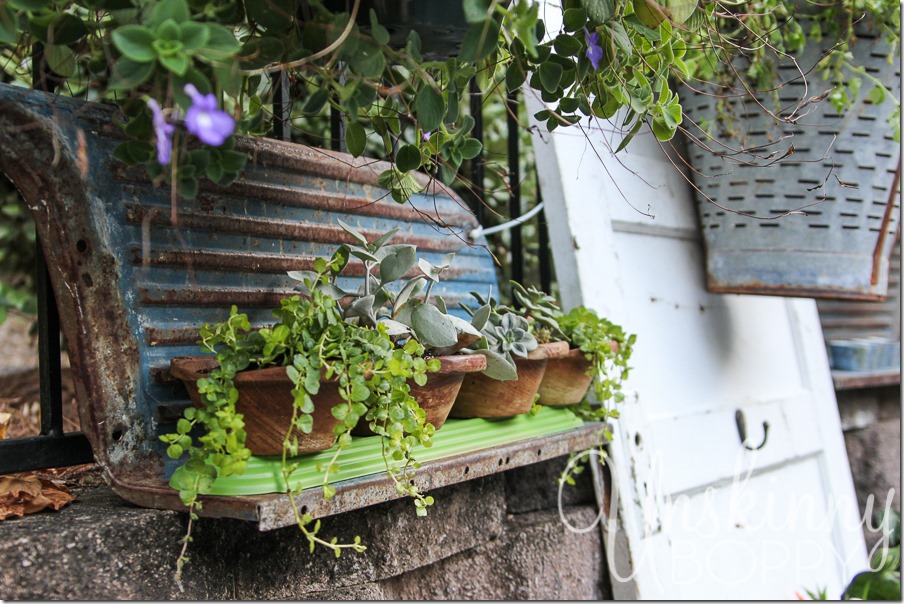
{"points": [[467, 469], [87, 279], [304, 510], [117, 434], [81, 246]]}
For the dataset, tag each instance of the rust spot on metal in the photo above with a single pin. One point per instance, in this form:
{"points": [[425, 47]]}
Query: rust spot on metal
{"points": [[211, 195], [257, 262], [789, 291], [283, 229], [215, 298]]}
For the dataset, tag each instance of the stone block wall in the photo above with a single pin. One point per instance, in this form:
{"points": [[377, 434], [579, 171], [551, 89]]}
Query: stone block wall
{"points": [[871, 420], [498, 537]]}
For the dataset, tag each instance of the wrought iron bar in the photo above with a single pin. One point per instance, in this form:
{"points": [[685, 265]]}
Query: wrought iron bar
{"points": [[53, 448], [337, 130], [477, 166], [50, 374], [514, 158], [282, 107]]}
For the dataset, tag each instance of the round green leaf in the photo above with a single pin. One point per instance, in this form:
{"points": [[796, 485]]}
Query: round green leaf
{"points": [[408, 158], [600, 11], [177, 10], [194, 35], [277, 15], [567, 45], [130, 74], [574, 18], [135, 42], [66, 28], [396, 263], [514, 76], [258, 52], [316, 101], [430, 108], [355, 138], [61, 60], [178, 64], [550, 76], [471, 148]]}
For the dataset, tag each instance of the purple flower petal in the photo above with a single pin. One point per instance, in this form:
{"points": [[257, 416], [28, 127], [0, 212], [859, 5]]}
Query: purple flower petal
{"points": [[594, 50], [205, 121], [163, 132]]}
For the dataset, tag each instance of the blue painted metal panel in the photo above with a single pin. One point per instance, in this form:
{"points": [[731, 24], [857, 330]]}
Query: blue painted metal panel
{"points": [[133, 290]]}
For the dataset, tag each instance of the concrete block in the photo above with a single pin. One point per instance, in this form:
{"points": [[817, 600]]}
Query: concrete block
{"points": [[464, 516], [536, 558], [536, 487], [101, 548]]}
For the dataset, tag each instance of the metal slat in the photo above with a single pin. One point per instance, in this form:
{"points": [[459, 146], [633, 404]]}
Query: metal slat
{"points": [[274, 511], [41, 452]]}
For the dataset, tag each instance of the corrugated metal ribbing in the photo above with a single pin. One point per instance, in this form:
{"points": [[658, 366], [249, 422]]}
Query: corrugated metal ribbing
{"points": [[133, 288], [845, 320], [234, 245]]}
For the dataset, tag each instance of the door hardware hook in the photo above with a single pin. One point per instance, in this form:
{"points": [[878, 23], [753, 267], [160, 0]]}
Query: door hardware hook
{"points": [[741, 422]]}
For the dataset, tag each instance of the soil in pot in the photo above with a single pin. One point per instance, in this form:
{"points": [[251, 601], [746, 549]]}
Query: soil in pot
{"points": [[481, 396], [265, 399], [566, 380], [437, 396]]}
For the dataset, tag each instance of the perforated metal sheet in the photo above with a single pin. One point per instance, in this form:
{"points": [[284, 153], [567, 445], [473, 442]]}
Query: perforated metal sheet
{"points": [[841, 175]]}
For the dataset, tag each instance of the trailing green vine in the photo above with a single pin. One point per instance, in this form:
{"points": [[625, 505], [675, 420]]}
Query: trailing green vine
{"points": [[313, 342]]}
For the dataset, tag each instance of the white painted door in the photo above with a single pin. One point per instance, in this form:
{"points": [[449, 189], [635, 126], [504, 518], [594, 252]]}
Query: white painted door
{"points": [[699, 515]]}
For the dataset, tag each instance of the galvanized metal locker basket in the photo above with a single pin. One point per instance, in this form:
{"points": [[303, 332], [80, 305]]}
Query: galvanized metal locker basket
{"points": [[842, 175]]}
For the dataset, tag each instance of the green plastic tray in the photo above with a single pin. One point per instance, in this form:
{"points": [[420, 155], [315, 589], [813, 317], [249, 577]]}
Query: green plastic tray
{"points": [[363, 457]]}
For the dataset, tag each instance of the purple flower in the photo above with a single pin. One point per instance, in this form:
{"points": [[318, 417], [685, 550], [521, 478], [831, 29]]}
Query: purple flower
{"points": [[594, 50], [163, 132], [204, 120]]}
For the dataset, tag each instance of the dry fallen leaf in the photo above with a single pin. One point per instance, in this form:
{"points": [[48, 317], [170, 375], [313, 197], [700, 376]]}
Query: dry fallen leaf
{"points": [[25, 493], [4, 423]]}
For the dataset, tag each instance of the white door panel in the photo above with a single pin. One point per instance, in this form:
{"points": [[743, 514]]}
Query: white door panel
{"points": [[699, 516]]}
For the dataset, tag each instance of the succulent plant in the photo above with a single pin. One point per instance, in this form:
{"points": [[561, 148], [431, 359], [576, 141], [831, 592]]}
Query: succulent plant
{"points": [[541, 310], [505, 332], [403, 314]]}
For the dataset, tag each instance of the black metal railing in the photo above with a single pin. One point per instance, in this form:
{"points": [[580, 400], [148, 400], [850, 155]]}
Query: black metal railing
{"points": [[56, 448]]}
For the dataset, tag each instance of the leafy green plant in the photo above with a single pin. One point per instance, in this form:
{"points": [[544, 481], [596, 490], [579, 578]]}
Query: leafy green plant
{"points": [[883, 579], [541, 310], [403, 314], [314, 343], [604, 344], [766, 32], [168, 61], [608, 348], [505, 334]]}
